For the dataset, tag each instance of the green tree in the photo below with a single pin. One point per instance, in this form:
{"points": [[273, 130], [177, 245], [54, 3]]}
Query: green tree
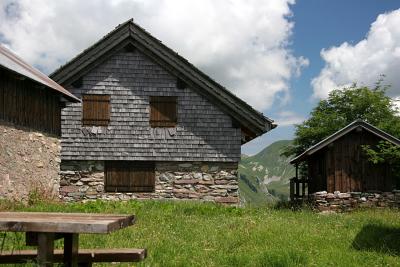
{"points": [[343, 107]]}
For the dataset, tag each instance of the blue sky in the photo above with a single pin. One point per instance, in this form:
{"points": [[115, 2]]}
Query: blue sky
{"points": [[320, 24], [281, 56]]}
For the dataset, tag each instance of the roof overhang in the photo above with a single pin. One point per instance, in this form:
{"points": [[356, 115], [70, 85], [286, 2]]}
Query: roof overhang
{"points": [[352, 126], [15, 64]]}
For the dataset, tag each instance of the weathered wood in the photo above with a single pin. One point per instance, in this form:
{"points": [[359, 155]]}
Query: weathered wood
{"points": [[175, 64], [129, 176], [163, 111], [26, 103], [63, 222], [343, 166], [291, 187], [31, 238], [95, 110], [84, 255], [45, 252], [71, 245]]}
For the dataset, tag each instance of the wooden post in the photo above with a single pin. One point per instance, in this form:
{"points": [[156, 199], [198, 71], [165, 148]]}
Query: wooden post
{"points": [[71, 245], [291, 189], [45, 249]]}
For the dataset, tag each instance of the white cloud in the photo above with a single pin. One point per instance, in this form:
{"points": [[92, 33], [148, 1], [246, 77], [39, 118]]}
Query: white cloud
{"points": [[364, 62], [241, 44], [288, 118]]}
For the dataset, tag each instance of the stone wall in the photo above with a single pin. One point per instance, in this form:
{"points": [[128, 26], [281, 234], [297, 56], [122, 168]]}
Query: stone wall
{"points": [[29, 163], [84, 180], [338, 202]]}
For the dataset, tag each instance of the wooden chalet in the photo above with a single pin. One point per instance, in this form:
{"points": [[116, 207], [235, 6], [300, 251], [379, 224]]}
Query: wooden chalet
{"points": [[28, 97], [338, 163], [148, 117]]}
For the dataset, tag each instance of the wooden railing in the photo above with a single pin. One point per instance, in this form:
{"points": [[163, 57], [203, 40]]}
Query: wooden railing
{"points": [[298, 188]]}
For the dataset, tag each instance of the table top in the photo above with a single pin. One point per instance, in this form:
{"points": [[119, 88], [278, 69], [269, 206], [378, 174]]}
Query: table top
{"points": [[51, 222]]}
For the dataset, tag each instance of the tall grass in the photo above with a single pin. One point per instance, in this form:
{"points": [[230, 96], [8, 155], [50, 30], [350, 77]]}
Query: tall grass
{"points": [[201, 234]]}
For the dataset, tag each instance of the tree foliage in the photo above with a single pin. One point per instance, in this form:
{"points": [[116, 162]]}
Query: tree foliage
{"points": [[385, 152], [343, 107]]}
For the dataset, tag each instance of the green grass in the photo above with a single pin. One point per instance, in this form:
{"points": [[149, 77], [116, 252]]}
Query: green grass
{"points": [[199, 234]]}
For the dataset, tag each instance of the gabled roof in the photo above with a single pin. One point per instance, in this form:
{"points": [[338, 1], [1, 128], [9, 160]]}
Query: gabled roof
{"points": [[12, 62], [354, 125], [131, 33]]}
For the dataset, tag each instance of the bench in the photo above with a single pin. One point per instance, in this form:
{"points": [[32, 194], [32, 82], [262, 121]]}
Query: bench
{"points": [[85, 256]]}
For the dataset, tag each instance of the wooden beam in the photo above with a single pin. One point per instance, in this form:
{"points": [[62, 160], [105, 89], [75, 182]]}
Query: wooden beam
{"points": [[45, 249], [31, 238], [71, 244]]}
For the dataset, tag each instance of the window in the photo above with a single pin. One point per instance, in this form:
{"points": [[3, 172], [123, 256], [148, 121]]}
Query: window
{"points": [[95, 110], [129, 176], [163, 111]]}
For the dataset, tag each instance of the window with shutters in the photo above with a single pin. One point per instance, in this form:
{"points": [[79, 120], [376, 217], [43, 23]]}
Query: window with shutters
{"points": [[95, 110], [129, 176], [163, 111]]}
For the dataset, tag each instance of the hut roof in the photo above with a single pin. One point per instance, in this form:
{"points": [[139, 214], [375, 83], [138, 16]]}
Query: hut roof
{"points": [[14, 63], [355, 124], [129, 33]]}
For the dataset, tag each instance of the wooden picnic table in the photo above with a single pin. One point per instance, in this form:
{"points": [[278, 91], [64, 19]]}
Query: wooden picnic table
{"points": [[42, 228]]}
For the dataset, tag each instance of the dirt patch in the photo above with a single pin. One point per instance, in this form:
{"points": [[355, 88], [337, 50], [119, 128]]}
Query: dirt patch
{"points": [[29, 163]]}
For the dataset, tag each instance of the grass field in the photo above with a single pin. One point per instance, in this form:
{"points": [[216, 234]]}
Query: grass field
{"points": [[198, 234]]}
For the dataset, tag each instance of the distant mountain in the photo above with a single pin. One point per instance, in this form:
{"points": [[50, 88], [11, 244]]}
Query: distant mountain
{"points": [[265, 176]]}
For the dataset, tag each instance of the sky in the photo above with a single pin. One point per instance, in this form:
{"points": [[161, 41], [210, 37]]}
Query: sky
{"points": [[280, 56]]}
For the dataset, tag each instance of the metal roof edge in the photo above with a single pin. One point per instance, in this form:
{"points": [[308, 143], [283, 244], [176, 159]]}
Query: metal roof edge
{"points": [[16, 64]]}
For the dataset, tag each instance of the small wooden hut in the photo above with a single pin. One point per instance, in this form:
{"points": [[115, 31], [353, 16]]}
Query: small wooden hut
{"points": [[338, 163]]}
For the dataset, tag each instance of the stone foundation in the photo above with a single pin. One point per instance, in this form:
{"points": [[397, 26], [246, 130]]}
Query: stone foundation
{"points": [[341, 202], [84, 180]]}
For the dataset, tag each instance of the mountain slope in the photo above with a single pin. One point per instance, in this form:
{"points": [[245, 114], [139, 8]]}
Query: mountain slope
{"points": [[265, 176]]}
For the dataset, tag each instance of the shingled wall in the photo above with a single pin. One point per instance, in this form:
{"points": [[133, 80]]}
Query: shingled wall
{"points": [[203, 132]]}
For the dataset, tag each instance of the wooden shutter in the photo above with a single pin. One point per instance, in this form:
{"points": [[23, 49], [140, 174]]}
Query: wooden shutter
{"points": [[95, 110], [129, 176], [163, 111]]}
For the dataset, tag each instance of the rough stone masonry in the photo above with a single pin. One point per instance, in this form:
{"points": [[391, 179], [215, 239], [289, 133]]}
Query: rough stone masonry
{"points": [[338, 202], [84, 180], [29, 163]]}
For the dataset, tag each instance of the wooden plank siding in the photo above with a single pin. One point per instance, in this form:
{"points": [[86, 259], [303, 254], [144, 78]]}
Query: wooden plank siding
{"points": [[26, 103], [129, 176], [342, 166]]}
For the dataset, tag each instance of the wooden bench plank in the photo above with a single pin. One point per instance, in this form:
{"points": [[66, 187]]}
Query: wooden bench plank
{"points": [[84, 256], [63, 222]]}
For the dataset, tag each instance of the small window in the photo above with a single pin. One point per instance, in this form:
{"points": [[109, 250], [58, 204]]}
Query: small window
{"points": [[163, 111], [95, 110], [129, 176]]}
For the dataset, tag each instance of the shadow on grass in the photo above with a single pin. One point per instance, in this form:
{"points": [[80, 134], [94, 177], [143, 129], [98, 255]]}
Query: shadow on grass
{"points": [[379, 238]]}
